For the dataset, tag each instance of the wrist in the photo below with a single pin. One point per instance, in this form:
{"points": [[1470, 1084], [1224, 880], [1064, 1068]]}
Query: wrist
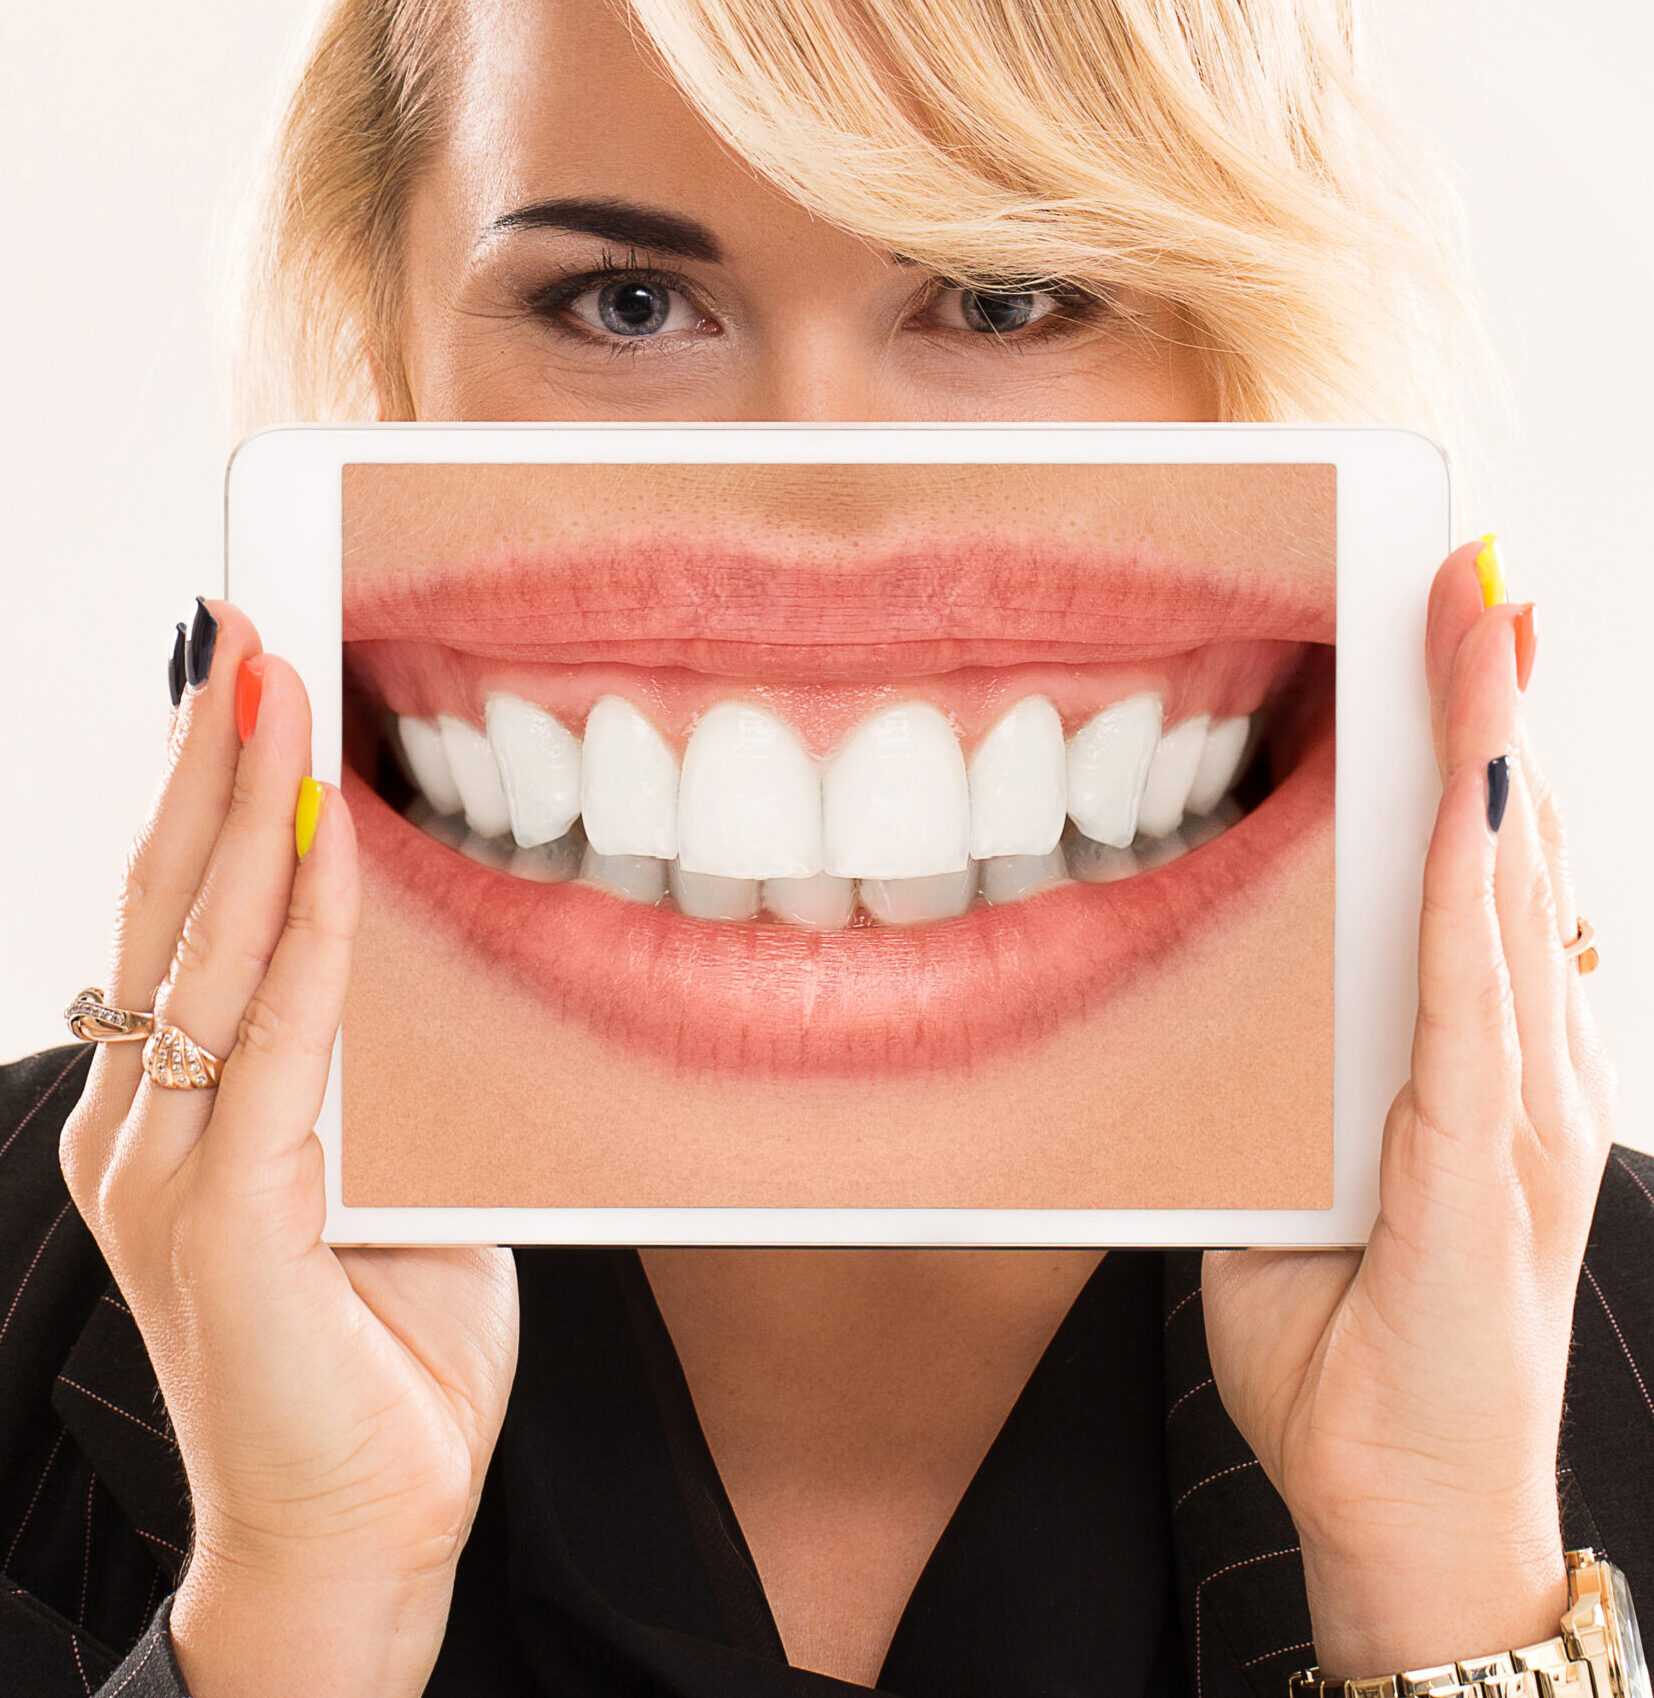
{"points": [[241, 1633], [1439, 1600]]}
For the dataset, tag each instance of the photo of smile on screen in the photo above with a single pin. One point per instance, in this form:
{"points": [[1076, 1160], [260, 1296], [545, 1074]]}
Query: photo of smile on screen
{"points": [[880, 839]]}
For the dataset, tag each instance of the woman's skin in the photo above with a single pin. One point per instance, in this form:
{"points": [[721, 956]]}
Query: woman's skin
{"points": [[336, 1410]]}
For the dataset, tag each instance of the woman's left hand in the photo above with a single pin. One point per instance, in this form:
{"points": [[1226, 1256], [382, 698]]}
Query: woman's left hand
{"points": [[1405, 1401]]}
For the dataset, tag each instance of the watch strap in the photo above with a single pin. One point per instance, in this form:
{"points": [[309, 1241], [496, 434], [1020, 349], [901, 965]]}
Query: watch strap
{"points": [[1545, 1670]]}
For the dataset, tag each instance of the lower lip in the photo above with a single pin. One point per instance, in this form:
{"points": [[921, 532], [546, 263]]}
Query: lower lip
{"points": [[771, 1000]]}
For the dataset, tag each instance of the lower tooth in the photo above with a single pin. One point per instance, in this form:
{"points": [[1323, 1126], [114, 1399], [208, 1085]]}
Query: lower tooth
{"points": [[1157, 851], [550, 863], [446, 828], [1010, 878], [913, 901], [637, 878], [822, 903], [495, 852], [707, 896], [1097, 863], [1202, 828]]}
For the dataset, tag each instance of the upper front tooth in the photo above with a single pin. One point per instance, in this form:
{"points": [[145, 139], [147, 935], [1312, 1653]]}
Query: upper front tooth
{"points": [[1108, 764], [1019, 783], [749, 800], [1171, 772], [1219, 762], [539, 763], [422, 745], [628, 783], [476, 776], [895, 800]]}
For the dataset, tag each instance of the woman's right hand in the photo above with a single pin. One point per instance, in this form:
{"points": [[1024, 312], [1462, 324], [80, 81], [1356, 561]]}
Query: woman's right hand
{"points": [[336, 1410]]}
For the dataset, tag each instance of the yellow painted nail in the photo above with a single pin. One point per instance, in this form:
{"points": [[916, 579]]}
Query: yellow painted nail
{"points": [[1489, 573], [307, 816]]}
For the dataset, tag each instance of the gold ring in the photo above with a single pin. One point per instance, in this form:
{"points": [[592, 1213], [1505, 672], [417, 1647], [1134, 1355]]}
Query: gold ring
{"points": [[92, 1018], [176, 1062], [1579, 950]]}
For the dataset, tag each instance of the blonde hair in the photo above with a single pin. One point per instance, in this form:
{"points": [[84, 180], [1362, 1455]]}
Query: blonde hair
{"points": [[1224, 157]]}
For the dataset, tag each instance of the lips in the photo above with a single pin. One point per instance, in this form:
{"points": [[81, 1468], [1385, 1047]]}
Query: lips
{"points": [[959, 633]]}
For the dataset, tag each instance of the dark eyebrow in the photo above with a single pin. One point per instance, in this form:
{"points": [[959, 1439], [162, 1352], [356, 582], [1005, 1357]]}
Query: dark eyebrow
{"points": [[617, 221]]}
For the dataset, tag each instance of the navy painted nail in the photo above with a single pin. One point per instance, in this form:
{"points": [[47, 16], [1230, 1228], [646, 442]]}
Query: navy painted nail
{"points": [[203, 640], [1498, 791], [175, 667]]}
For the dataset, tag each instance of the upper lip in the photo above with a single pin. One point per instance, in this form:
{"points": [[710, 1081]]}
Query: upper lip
{"points": [[735, 611]]}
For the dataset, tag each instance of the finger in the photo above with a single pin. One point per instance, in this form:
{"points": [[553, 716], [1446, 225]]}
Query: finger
{"points": [[276, 1075], [232, 928], [1551, 835], [163, 872], [1538, 970], [169, 857], [1455, 606], [1479, 716], [1466, 1062]]}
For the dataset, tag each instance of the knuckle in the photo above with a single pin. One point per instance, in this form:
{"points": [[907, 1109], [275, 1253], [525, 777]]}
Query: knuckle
{"points": [[263, 1029]]}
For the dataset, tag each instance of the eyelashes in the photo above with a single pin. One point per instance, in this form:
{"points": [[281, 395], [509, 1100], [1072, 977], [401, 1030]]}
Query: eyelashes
{"points": [[628, 305]]}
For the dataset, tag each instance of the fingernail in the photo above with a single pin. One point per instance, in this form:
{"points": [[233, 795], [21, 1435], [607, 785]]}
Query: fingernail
{"points": [[175, 667], [1498, 791], [249, 692], [1526, 639], [203, 640], [307, 816], [1489, 573]]}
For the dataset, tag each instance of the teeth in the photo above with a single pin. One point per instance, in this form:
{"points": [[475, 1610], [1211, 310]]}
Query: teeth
{"points": [[895, 800], [897, 820], [823, 903], [1108, 764], [914, 901], [628, 784], [549, 863], [638, 878], [1019, 783], [749, 800], [1171, 772], [706, 896], [1096, 863], [476, 776], [1010, 878], [1157, 851], [1219, 764], [428, 764], [539, 765]]}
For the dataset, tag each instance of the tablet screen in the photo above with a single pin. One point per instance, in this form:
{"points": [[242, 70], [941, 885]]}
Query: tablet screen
{"points": [[840, 835]]}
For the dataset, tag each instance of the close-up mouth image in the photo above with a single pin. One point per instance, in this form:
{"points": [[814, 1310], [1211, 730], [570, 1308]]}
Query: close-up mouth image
{"points": [[833, 782]]}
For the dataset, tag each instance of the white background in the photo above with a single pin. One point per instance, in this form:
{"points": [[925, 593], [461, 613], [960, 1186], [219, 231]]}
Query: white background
{"points": [[124, 135]]}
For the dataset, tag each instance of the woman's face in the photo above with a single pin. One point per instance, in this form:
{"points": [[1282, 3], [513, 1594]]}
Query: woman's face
{"points": [[581, 247]]}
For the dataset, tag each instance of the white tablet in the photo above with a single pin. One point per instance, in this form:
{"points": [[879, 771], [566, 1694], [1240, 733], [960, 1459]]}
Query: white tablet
{"points": [[897, 834]]}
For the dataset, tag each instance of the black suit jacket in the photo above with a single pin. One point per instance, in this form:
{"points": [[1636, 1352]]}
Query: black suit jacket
{"points": [[94, 1509]]}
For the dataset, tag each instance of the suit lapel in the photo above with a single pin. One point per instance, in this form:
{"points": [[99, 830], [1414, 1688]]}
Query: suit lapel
{"points": [[106, 1396]]}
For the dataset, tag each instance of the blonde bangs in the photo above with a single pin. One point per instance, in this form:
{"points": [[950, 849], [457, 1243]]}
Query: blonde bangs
{"points": [[1222, 157]]}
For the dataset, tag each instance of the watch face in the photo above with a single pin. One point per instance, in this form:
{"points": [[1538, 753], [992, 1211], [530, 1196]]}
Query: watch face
{"points": [[1626, 1640]]}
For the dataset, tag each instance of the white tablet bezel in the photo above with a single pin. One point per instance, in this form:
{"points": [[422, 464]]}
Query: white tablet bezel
{"points": [[283, 548]]}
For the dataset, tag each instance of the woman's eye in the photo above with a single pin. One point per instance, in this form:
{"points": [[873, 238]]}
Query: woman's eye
{"points": [[633, 307], [992, 312]]}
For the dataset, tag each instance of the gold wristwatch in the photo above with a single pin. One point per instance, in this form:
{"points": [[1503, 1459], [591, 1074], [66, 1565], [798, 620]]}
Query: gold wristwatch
{"points": [[1598, 1654]]}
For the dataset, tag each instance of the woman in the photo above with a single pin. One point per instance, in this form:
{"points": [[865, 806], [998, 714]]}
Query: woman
{"points": [[779, 1471]]}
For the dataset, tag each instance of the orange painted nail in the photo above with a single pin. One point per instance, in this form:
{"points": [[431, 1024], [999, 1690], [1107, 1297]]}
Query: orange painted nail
{"points": [[1526, 641], [249, 692]]}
